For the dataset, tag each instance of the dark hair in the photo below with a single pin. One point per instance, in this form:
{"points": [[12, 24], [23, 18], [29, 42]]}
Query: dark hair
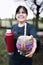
{"points": [[24, 8]]}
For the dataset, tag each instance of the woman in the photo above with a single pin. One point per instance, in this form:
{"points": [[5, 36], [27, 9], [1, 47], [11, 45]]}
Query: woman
{"points": [[18, 30]]}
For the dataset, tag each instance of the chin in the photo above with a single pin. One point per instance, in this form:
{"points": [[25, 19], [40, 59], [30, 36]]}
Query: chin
{"points": [[21, 20]]}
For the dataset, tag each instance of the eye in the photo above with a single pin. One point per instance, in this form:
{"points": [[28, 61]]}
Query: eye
{"points": [[23, 12], [18, 13]]}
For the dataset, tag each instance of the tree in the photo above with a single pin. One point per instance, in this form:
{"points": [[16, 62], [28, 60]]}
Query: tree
{"points": [[10, 20], [41, 20], [37, 7], [0, 22]]}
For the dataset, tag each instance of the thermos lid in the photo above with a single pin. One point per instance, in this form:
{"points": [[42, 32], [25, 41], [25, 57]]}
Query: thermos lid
{"points": [[8, 31]]}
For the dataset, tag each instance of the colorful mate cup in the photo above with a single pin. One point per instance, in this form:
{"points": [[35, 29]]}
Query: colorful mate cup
{"points": [[24, 44]]}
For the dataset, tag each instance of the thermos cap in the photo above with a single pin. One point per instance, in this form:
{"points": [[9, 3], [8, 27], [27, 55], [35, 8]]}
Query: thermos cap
{"points": [[8, 31]]}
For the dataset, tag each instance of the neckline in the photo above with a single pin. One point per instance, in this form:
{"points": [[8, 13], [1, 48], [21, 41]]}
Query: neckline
{"points": [[20, 26]]}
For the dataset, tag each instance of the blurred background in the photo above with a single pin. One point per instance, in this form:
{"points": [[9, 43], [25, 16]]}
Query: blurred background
{"points": [[7, 19]]}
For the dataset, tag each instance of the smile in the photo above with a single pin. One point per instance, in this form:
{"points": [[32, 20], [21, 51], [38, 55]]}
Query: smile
{"points": [[20, 17]]}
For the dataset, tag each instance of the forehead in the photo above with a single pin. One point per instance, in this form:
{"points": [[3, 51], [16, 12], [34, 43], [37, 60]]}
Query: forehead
{"points": [[21, 9]]}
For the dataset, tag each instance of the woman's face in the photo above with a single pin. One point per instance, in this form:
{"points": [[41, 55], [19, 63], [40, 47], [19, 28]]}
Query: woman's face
{"points": [[21, 15]]}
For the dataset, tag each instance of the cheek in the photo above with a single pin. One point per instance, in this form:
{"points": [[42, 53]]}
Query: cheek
{"points": [[25, 16]]}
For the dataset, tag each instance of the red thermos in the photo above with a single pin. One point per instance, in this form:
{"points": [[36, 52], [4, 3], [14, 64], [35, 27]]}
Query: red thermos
{"points": [[9, 36]]}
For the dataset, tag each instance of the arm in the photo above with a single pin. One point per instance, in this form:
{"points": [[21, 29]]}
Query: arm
{"points": [[36, 41], [33, 49], [33, 32]]}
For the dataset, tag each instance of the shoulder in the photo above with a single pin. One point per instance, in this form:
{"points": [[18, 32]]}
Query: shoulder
{"points": [[14, 26], [30, 25]]}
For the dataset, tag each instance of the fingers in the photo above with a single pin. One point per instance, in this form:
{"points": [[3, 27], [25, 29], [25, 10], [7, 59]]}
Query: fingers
{"points": [[33, 49], [29, 55]]}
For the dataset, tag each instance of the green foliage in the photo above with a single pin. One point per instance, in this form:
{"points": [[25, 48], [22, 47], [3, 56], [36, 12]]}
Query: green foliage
{"points": [[3, 52], [41, 20]]}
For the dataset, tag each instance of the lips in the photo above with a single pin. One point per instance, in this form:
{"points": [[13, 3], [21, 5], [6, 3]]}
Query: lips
{"points": [[21, 17]]}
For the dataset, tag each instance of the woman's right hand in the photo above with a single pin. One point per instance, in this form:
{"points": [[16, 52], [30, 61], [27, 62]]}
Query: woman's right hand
{"points": [[33, 49]]}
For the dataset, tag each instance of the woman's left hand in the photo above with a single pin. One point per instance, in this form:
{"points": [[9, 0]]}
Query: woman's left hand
{"points": [[33, 49]]}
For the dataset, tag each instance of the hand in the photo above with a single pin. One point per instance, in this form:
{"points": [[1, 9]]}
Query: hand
{"points": [[29, 55], [33, 49]]}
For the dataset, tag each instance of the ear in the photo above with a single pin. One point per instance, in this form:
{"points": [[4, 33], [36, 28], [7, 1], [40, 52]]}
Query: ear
{"points": [[15, 17], [26, 16]]}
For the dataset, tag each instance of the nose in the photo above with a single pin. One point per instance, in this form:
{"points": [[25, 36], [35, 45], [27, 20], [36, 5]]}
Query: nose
{"points": [[21, 13]]}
